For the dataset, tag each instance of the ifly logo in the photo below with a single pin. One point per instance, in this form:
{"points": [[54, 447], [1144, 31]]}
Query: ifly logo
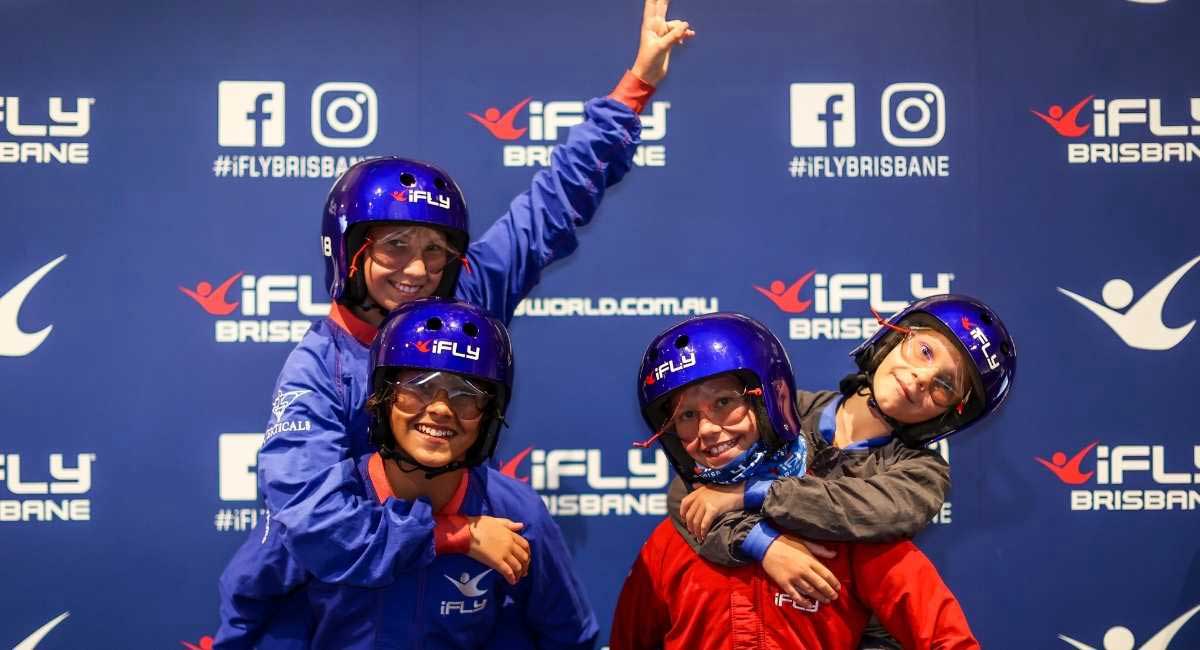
{"points": [[413, 196], [1129, 477], [984, 343], [685, 361], [250, 113], [1121, 637], [549, 120], [1066, 123], [211, 299], [442, 346], [64, 123], [467, 585], [1109, 115], [14, 342], [822, 115], [1141, 325]]}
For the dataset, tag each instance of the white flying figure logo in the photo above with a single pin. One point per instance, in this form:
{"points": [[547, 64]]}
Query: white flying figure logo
{"points": [[1141, 326], [467, 585], [284, 400], [1121, 638], [13, 341], [31, 641]]}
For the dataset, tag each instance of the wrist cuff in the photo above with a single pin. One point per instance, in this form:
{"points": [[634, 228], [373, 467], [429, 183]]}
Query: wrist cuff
{"points": [[759, 540], [632, 92], [451, 534]]}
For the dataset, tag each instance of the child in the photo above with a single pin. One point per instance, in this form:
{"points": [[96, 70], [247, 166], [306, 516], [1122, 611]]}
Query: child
{"points": [[394, 230], [941, 365], [441, 380], [718, 391]]}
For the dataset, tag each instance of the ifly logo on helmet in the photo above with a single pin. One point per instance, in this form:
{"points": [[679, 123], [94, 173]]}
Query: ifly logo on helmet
{"points": [[985, 344], [834, 293], [1136, 477], [260, 295], [573, 483], [413, 196], [444, 346], [1120, 129], [685, 361], [549, 121], [58, 123]]}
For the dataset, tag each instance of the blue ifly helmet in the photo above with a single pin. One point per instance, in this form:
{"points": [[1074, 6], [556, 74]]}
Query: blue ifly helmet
{"points": [[388, 190], [442, 335], [978, 334], [711, 345]]}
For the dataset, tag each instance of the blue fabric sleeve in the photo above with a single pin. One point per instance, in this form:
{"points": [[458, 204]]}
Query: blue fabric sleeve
{"points": [[759, 540], [254, 589], [335, 531], [756, 493], [539, 227]]}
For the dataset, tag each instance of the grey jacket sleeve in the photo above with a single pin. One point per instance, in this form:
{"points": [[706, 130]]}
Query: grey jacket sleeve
{"points": [[897, 502], [723, 543]]}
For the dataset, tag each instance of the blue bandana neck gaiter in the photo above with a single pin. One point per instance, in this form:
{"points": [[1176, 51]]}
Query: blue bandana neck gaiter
{"points": [[759, 462]]}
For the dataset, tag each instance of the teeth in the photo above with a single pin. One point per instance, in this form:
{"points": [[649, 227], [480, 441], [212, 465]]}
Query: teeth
{"points": [[406, 288], [717, 450], [435, 431]]}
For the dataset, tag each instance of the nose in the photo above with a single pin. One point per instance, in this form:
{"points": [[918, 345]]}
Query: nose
{"points": [[416, 268], [923, 377], [439, 406], [707, 428]]}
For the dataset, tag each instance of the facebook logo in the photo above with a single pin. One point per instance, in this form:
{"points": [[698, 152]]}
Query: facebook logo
{"points": [[250, 113], [237, 457], [822, 115]]}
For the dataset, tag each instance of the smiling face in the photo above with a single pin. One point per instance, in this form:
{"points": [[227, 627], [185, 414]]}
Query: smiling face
{"points": [[921, 377], [714, 421], [403, 263], [431, 423]]}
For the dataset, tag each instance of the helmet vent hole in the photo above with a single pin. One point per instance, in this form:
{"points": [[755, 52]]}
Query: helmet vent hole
{"points": [[433, 324], [439, 183], [470, 330], [986, 317], [407, 179], [682, 341], [1006, 349], [653, 354]]}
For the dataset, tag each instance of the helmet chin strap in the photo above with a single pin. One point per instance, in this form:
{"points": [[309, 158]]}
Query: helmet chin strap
{"points": [[398, 457], [873, 404]]}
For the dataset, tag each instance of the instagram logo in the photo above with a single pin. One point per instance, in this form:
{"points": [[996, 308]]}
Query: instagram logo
{"points": [[344, 114], [913, 114]]}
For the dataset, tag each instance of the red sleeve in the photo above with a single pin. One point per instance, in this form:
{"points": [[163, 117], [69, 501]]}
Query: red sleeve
{"points": [[632, 92], [905, 591], [641, 620]]}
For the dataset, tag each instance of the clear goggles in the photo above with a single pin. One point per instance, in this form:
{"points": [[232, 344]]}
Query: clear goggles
{"points": [[465, 398]]}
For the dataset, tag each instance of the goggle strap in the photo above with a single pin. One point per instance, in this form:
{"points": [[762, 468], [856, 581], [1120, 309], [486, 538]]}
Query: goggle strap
{"points": [[884, 323], [354, 260]]}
